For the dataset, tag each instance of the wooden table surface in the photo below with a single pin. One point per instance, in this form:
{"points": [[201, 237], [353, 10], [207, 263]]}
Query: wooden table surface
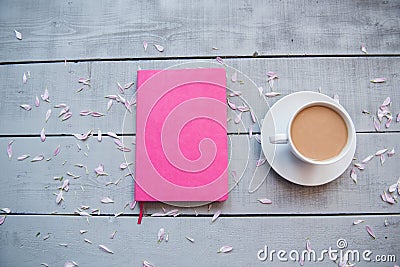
{"points": [[311, 45]]}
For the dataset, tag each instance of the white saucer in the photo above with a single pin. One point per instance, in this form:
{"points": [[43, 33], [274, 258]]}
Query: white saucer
{"points": [[281, 158]]}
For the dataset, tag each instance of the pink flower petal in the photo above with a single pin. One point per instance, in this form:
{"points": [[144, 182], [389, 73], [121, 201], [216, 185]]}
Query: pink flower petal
{"points": [[120, 88], [225, 249], [234, 77], [382, 158], [57, 150], [336, 98], [132, 205], [160, 48], [128, 85], [125, 165], [100, 170], [366, 111], [107, 200], [18, 35], [85, 112], [147, 264], [386, 102], [363, 48], [2, 219], [398, 117], [388, 197], [26, 107], [308, 245], [23, 157], [377, 125], [389, 121], [367, 159], [160, 235], [99, 136], [59, 197], [353, 175], [48, 114], [231, 105], [113, 135], [391, 153], [70, 264], [67, 116], [260, 162], [258, 138], [381, 151], [238, 118], [272, 94], [112, 97], [106, 249], [83, 137], [96, 114], [42, 135], [358, 222], [109, 104], [359, 166], [216, 215], [253, 117], [38, 158], [190, 239], [378, 80], [370, 231], [145, 45], [219, 60], [9, 148], [265, 201], [45, 96], [37, 102]]}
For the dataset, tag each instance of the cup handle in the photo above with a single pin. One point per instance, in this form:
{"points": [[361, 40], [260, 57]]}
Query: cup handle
{"points": [[279, 139]]}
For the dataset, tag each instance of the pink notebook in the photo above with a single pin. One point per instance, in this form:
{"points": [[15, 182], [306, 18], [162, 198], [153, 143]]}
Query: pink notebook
{"points": [[181, 142]]}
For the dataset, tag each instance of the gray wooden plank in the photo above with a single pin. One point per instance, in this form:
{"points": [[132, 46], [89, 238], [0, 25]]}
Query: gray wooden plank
{"points": [[29, 187], [347, 77], [98, 29], [134, 243]]}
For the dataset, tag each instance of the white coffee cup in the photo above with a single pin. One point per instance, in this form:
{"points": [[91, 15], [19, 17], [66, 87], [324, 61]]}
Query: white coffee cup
{"points": [[286, 138]]}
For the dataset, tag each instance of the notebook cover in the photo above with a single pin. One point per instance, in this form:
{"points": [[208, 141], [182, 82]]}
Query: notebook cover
{"points": [[181, 141]]}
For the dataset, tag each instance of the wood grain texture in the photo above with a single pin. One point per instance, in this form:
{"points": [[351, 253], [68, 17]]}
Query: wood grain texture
{"points": [[29, 187], [135, 243], [104, 29], [347, 77]]}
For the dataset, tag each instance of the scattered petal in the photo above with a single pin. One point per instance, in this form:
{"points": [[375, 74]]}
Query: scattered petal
{"points": [[370, 231], [106, 249], [45, 96], [160, 48], [85, 112], [38, 158], [109, 104], [9, 148], [253, 117], [219, 60], [160, 235], [100, 170], [96, 114], [37, 102], [23, 157], [26, 107], [386, 102], [382, 158], [216, 215], [112, 97], [367, 159], [48, 114], [378, 80], [272, 94], [260, 162], [113, 234], [265, 201], [238, 118], [83, 231], [393, 188], [132, 205], [389, 121], [44, 264], [366, 111], [128, 85], [231, 105], [113, 135], [60, 106], [387, 198], [225, 249], [336, 98], [118, 214], [6, 210], [363, 48], [18, 35], [83, 137], [353, 175], [189, 238], [258, 138], [358, 222], [398, 117], [2, 219], [70, 264], [380, 152], [377, 125], [107, 200], [359, 166], [67, 116], [87, 241], [391, 153], [147, 264], [308, 245], [125, 165], [99, 135], [59, 197], [145, 45], [65, 185], [42, 135], [234, 77], [57, 150]]}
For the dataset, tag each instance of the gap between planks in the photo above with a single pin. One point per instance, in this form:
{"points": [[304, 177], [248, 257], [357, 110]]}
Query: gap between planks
{"points": [[78, 60]]}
